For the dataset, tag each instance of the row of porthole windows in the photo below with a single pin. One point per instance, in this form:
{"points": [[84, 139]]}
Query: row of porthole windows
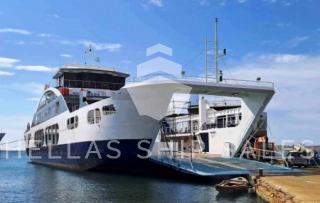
{"points": [[94, 116], [51, 134], [49, 137]]}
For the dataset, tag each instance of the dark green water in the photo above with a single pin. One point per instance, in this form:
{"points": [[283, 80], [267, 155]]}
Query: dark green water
{"points": [[21, 181]]}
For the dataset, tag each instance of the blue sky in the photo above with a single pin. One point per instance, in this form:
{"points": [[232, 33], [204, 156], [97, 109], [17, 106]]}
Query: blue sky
{"points": [[278, 40]]}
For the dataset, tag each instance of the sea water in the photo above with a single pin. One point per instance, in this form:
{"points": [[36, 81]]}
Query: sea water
{"points": [[21, 181]]}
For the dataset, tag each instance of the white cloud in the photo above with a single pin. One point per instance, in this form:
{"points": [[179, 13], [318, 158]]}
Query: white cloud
{"points": [[33, 99], [35, 68], [296, 102], [283, 58], [30, 87], [37, 43], [16, 31], [20, 42], [54, 15], [112, 47], [66, 55], [282, 24], [45, 35], [281, 2], [66, 42], [297, 41], [157, 3], [126, 61], [5, 73], [204, 2], [30, 43], [8, 62]]}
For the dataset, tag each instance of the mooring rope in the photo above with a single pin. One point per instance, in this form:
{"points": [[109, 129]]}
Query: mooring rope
{"points": [[11, 142]]}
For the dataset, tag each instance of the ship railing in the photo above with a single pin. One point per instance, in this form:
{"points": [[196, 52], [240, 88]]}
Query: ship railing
{"points": [[175, 158], [91, 84], [225, 102], [227, 81], [224, 112], [178, 129], [274, 156]]}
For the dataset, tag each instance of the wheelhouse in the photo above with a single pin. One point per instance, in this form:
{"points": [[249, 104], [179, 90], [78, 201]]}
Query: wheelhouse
{"points": [[84, 76], [84, 84]]}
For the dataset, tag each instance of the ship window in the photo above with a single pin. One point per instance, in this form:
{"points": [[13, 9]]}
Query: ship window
{"points": [[91, 117], [221, 122], [39, 138], [98, 115], [46, 99], [195, 125], [107, 110], [94, 116], [52, 135], [76, 121], [72, 122], [232, 121], [57, 107], [53, 139]]}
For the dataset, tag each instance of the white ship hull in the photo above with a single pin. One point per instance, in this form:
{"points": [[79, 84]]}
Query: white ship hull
{"points": [[130, 131]]}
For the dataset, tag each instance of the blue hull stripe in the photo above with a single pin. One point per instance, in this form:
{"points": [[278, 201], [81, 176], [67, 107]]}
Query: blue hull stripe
{"points": [[128, 159]]}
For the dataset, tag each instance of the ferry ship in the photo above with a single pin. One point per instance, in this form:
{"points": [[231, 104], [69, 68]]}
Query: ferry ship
{"points": [[94, 119]]}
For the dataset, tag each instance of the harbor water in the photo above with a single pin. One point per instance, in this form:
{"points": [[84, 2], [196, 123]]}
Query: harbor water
{"points": [[21, 181]]}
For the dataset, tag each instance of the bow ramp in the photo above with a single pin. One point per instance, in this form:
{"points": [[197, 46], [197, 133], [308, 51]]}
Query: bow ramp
{"points": [[215, 167], [254, 97]]}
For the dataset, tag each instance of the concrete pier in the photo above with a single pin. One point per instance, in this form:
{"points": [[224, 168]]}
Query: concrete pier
{"points": [[298, 188]]}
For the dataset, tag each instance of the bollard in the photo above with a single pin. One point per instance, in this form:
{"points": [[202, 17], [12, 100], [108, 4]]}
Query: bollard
{"points": [[260, 172]]}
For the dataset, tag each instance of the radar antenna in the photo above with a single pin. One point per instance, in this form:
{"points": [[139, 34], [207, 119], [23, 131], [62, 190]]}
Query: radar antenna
{"points": [[90, 55]]}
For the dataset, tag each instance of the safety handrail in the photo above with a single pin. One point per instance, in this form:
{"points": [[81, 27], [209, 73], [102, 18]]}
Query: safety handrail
{"points": [[227, 81]]}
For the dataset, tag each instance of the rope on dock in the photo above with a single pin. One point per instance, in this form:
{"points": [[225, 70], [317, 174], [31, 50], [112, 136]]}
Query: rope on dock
{"points": [[15, 141]]}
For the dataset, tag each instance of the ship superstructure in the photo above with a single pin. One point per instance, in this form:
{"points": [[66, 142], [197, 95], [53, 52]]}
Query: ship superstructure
{"points": [[211, 127]]}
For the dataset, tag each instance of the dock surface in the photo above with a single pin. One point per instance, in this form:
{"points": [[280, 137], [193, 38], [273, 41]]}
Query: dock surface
{"points": [[297, 188]]}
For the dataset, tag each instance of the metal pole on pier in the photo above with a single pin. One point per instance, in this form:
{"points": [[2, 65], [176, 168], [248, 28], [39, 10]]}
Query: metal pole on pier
{"points": [[206, 58], [216, 46]]}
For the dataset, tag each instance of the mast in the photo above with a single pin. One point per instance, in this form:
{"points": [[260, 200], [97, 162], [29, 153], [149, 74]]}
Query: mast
{"points": [[216, 55], [206, 58]]}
